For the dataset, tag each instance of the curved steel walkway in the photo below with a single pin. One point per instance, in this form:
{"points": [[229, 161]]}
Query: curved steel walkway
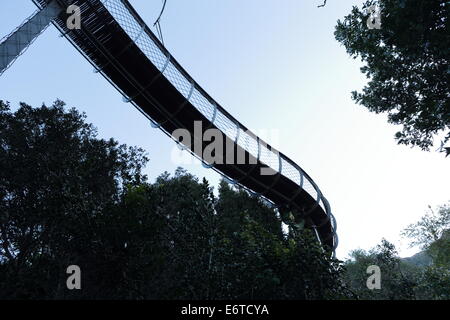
{"points": [[118, 43]]}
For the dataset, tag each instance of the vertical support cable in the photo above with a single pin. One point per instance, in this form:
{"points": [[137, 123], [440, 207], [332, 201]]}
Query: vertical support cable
{"points": [[238, 132], [191, 91], [139, 34], [214, 114], [259, 149], [166, 63], [280, 165]]}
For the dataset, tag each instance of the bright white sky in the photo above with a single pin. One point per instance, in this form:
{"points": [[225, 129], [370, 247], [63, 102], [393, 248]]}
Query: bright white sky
{"points": [[274, 65]]}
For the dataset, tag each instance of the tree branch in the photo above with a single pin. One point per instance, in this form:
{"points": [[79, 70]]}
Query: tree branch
{"points": [[6, 246]]}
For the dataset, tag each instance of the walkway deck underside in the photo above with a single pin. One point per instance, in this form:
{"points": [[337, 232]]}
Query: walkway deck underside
{"points": [[104, 42]]}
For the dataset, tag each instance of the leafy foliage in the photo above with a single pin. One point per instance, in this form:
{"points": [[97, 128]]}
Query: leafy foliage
{"points": [[67, 197], [397, 279], [407, 64], [56, 181], [432, 233], [430, 229], [426, 275]]}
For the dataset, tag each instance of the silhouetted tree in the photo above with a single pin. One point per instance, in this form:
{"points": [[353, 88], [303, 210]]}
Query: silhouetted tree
{"points": [[407, 62], [398, 279], [426, 275], [56, 181], [69, 198], [432, 234]]}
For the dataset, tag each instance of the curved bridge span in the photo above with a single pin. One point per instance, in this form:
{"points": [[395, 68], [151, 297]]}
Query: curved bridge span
{"points": [[120, 46]]}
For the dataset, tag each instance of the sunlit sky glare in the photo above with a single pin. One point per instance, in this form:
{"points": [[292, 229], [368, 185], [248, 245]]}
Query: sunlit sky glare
{"points": [[275, 66]]}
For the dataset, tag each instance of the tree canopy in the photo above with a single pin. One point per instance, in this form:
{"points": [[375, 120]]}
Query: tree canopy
{"points": [[70, 198], [426, 275], [407, 64], [397, 278]]}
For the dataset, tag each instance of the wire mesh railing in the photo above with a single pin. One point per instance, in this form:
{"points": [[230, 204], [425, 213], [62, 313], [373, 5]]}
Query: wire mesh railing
{"points": [[151, 47], [148, 44], [20, 39]]}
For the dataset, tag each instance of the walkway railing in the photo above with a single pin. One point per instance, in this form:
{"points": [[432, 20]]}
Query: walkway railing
{"points": [[151, 47]]}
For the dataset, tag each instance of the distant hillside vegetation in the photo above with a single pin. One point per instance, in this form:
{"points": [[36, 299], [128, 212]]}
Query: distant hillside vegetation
{"points": [[420, 259]]}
